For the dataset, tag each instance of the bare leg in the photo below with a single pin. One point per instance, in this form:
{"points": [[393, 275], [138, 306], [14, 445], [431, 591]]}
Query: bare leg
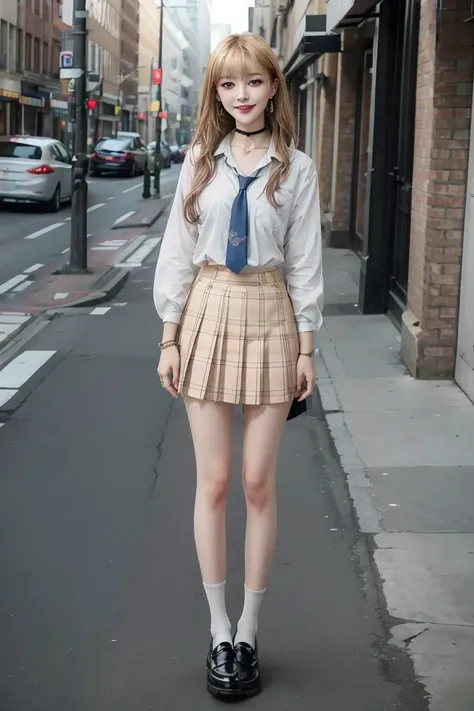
{"points": [[210, 429], [263, 428]]}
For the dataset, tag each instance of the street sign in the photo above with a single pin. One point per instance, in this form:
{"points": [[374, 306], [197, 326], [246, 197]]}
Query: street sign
{"points": [[71, 87], [155, 107], [65, 60], [117, 110]]}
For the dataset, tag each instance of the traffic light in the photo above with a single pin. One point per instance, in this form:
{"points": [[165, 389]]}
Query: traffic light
{"points": [[91, 104]]}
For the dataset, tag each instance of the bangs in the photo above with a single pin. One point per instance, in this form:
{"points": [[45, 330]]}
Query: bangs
{"points": [[238, 62]]}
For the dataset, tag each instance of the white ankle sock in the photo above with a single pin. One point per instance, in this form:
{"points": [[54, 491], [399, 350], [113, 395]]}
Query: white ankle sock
{"points": [[220, 623], [248, 624]]}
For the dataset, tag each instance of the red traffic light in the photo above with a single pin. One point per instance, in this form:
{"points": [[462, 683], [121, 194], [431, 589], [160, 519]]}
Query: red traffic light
{"points": [[91, 103], [157, 76], [163, 114]]}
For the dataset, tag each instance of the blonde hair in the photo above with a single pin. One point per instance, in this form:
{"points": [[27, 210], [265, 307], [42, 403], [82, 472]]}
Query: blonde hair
{"points": [[243, 54]]}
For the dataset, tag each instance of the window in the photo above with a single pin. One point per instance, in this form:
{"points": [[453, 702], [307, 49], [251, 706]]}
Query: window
{"points": [[28, 51], [45, 58], [46, 12], [19, 50], [4, 40], [174, 63], [55, 50], [38, 7], [20, 150], [36, 56], [12, 48]]}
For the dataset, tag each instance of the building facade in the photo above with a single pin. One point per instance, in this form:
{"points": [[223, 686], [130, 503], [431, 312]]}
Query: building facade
{"points": [[387, 118], [129, 64], [29, 66], [148, 60]]}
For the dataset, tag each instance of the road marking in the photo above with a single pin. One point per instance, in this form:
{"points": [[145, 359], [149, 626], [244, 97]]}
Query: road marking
{"points": [[167, 196], [61, 295], [21, 368], [100, 310], [121, 303], [124, 217], [136, 259], [54, 226], [13, 317], [32, 269], [111, 198], [6, 395], [6, 286], [134, 187], [68, 219], [65, 251], [95, 207], [23, 286], [111, 244]]}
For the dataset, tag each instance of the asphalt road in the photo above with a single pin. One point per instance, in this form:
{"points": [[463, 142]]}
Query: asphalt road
{"points": [[30, 236], [101, 602]]}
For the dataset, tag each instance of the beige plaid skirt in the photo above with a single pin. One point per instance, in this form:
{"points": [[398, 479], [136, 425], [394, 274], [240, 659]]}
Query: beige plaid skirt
{"points": [[238, 338]]}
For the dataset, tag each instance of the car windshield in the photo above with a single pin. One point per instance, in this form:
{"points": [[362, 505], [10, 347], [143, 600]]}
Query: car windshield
{"points": [[114, 145], [20, 150]]}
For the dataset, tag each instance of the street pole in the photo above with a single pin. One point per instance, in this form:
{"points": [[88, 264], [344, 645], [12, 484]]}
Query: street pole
{"points": [[156, 182], [78, 253]]}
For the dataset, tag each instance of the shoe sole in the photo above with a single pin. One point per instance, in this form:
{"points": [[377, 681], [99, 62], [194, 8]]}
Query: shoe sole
{"points": [[223, 693]]}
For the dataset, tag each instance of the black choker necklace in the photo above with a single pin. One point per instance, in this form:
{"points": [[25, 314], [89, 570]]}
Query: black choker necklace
{"points": [[251, 133]]}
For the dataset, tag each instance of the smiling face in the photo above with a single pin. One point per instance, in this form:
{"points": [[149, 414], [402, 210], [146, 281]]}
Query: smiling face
{"points": [[245, 96]]}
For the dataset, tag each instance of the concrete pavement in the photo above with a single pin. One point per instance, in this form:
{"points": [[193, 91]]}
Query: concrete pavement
{"points": [[407, 448], [102, 605]]}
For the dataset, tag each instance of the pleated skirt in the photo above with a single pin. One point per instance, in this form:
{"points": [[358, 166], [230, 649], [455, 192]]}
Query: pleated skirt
{"points": [[238, 339]]}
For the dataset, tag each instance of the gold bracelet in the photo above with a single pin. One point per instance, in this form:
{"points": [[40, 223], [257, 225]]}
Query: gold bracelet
{"points": [[308, 355], [167, 344]]}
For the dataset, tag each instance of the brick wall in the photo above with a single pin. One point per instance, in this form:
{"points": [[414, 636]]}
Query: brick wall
{"points": [[327, 118], [444, 97], [348, 88]]}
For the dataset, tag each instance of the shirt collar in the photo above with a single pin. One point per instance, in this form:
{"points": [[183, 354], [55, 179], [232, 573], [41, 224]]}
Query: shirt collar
{"points": [[224, 149]]}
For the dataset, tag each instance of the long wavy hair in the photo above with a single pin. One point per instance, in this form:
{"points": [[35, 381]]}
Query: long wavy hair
{"points": [[243, 55]]}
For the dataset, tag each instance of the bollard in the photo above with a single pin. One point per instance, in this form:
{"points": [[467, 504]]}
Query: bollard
{"points": [[146, 183]]}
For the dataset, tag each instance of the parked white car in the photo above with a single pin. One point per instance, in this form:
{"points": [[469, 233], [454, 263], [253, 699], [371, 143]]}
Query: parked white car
{"points": [[35, 169]]}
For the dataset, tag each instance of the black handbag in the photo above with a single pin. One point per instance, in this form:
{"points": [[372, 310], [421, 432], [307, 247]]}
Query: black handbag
{"points": [[296, 409]]}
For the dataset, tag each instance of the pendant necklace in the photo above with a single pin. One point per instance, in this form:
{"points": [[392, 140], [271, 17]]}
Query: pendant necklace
{"points": [[252, 146]]}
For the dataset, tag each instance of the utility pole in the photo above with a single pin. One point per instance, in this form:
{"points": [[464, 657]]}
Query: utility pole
{"points": [[78, 253], [159, 94]]}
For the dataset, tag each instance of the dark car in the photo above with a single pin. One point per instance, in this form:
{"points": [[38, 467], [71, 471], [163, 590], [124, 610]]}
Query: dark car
{"points": [[118, 155], [176, 155]]}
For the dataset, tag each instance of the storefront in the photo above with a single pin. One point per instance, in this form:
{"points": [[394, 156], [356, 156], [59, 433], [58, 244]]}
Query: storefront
{"points": [[464, 373], [384, 139], [301, 73], [8, 100]]}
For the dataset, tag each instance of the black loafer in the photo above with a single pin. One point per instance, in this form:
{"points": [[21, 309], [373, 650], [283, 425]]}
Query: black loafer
{"points": [[248, 669], [222, 677]]}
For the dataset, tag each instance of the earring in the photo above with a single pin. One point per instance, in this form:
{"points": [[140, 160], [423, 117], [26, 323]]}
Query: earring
{"points": [[271, 105]]}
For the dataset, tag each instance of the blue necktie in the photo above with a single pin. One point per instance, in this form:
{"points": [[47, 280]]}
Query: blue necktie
{"points": [[236, 257]]}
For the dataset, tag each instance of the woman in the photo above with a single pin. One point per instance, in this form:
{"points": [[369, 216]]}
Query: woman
{"points": [[238, 286]]}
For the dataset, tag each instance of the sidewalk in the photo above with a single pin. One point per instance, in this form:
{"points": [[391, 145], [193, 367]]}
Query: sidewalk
{"points": [[407, 448]]}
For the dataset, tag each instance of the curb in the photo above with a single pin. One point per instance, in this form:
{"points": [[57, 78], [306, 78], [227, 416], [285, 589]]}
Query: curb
{"points": [[21, 327], [107, 292], [147, 221]]}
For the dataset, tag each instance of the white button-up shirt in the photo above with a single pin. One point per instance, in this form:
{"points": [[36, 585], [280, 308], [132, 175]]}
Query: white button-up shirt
{"points": [[288, 237]]}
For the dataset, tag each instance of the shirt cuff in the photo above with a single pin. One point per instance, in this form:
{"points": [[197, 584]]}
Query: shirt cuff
{"points": [[172, 317]]}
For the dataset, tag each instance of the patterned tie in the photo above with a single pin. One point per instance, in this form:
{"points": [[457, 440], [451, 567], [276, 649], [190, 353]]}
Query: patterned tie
{"points": [[236, 257]]}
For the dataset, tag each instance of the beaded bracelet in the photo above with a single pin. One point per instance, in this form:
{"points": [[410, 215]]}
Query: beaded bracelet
{"points": [[308, 355]]}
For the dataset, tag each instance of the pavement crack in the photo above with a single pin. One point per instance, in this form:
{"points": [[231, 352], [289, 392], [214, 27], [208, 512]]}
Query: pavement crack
{"points": [[159, 450], [407, 640]]}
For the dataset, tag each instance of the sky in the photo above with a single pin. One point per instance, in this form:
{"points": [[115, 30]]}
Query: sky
{"points": [[232, 11]]}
